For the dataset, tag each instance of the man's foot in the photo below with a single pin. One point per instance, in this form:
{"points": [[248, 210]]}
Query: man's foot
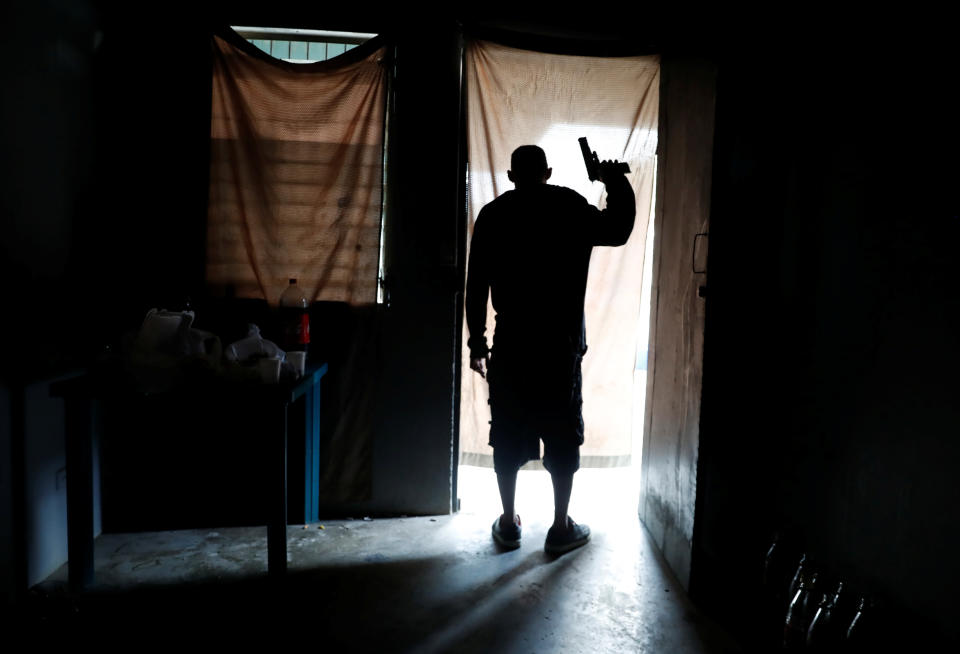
{"points": [[563, 540], [509, 536]]}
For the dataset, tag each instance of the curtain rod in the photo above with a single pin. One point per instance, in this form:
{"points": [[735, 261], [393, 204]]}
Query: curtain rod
{"points": [[286, 34]]}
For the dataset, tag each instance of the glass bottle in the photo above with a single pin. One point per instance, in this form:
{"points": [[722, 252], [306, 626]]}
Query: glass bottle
{"points": [[777, 572], [824, 634], [799, 613], [859, 634], [771, 565], [794, 584]]}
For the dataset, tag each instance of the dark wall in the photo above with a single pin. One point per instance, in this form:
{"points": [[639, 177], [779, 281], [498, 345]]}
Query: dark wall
{"points": [[9, 580], [105, 141], [147, 206], [46, 158], [422, 264], [831, 343]]}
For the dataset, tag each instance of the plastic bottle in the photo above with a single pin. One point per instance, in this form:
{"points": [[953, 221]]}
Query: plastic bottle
{"points": [[294, 318]]}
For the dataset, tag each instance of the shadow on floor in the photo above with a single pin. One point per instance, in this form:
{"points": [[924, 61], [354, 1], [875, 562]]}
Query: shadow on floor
{"points": [[393, 605]]}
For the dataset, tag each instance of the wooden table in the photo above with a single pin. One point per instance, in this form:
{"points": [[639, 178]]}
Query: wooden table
{"points": [[81, 393]]}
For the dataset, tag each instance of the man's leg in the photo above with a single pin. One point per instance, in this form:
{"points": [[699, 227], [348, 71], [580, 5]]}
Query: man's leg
{"points": [[562, 487], [564, 535], [506, 528], [507, 481], [562, 462], [561, 457]]}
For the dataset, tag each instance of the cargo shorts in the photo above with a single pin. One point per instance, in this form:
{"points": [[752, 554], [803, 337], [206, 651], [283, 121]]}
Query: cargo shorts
{"points": [[536, 398]]}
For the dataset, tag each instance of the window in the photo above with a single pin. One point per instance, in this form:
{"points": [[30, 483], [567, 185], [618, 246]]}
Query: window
{"points": [[297, 161], [302, 46]]}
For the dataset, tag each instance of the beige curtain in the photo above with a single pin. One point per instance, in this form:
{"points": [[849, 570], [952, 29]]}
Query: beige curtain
{"points": [[517, 97], [296, 168]]}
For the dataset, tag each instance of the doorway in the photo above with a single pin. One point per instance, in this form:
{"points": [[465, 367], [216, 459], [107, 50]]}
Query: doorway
{"points": [[614, 102], [682, 131], [607, 494]]}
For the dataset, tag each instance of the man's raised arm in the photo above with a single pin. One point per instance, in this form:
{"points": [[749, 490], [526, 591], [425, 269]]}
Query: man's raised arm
{"points": [[615, 222]]}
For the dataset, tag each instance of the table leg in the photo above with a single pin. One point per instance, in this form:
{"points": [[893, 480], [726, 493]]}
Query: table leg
{"points": [[312, 434], [79, 445], [277, 520]]}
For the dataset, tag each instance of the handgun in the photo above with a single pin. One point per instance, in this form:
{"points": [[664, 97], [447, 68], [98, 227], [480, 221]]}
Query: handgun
{"points": [[592, 162]]}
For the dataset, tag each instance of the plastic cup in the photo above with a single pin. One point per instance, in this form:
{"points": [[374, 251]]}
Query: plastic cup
{"points": [[298, 360], [269, 370]]}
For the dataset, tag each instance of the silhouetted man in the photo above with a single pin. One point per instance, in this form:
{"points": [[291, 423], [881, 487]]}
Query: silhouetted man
{"points": [[531, 248]]}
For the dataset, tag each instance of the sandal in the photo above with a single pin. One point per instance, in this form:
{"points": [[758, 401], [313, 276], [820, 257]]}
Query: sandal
{"points": [[563, 540], [509, 537]]}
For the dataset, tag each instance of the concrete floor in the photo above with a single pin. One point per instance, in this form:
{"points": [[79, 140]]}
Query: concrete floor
{"points": [[415, 584]]}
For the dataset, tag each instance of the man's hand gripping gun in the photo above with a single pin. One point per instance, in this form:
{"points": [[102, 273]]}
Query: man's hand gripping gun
{"points": [[594, 166]]}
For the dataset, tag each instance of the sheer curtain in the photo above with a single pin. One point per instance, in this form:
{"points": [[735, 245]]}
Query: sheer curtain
{"points": [[296, 169], [518, 97]]}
